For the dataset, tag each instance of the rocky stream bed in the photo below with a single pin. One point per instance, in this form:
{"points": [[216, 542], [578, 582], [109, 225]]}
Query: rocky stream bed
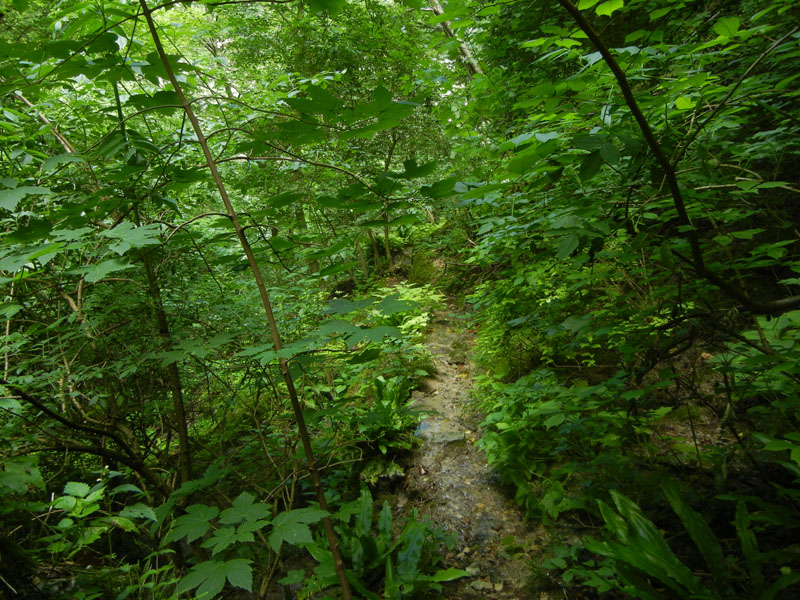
{"points": [[450, 483]]}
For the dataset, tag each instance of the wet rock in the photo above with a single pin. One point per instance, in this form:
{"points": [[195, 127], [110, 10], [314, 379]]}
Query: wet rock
{"points": [[480, 585], [444, 437]]}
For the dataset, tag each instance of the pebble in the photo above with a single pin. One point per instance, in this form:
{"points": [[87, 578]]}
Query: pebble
{"points": [[498, 587]]}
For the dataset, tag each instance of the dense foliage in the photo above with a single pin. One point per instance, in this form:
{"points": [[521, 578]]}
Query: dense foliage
{"points": [[209, 209]]}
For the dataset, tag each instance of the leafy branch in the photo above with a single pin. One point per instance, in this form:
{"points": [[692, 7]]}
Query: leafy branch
{"points": [[696, 261]]}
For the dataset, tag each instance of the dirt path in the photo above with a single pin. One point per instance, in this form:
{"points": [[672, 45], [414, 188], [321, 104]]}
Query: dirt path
{"points": [[450, 483]]}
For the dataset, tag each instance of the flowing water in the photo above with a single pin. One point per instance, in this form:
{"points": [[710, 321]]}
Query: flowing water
{"points": [[450, 483]]}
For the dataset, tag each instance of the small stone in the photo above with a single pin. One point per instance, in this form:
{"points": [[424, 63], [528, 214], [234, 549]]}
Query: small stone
{"points": [[498, 587], [480, 584]]}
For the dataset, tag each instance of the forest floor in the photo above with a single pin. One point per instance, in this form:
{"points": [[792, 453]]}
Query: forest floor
{"points": [[450, 483]]}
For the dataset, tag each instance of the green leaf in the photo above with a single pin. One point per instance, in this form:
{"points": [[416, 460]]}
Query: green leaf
{"points": [[568, 245], [9, 198], [20, 472], [373, 334], [292, 527], [727, 26], [408, 556], [413, 170], [221, 539], [337, 267], [449, 575], [77, 489], [385, 524], [329, 251], [606, 8], [331, 7], [585, 4], [609, 153], [590, 166], [116, 521], [244, 509], [209, 577], [194, 524], [392, 304], [703, 538], [130, 236], [404, 220], [340, 306], [554, 420], [747, 539], [95, 273], [440, 189], [684, 103], [138, 511], [52, 163], [9, 309]]}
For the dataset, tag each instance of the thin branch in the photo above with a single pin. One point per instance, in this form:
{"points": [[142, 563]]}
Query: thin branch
{"points": [[682, 150], [265, 300]]}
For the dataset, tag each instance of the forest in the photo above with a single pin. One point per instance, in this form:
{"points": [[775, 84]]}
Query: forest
{"points": [[229, 228]]}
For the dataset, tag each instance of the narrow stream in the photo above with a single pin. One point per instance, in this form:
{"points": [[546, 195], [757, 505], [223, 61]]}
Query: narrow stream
{"points": [[450, 483]]}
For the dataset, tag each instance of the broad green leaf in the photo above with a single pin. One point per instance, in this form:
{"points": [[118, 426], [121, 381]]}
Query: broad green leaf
{"points": [[130, 236], [411, 551], [117, 521], [588, 142], [373, 334], [413, 171], [33, 231], [727, 26], [77, 489], [20, 472], [209, 577], [338, 267], [606, 8], [244, 508], [684, 103], [8, 309], [586, 4], [138, 511], [404, 220], [568, 245], [392, 304], [52, 163], [340, 306], [194, 524], [96, 272], [660, 12], [590, 165], [291, 526], [329, 251], [331, 7], [285, 199], [554, 420], [9, 198], [609, 153], [440, 189], [221, 539]]}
